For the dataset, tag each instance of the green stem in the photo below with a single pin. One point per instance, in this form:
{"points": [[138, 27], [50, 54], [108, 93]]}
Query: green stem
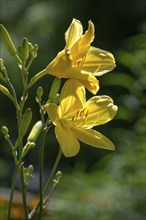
{"points": [[23, 192], [12, 190], [13, 150], [53, 171], [19, 61], [29, 64], [36, 78], [41, 162], [33, 212], [23, 75], [13, 94]]}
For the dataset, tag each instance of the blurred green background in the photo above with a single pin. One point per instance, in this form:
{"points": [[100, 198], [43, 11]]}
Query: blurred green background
{"points": [[96, 184]]}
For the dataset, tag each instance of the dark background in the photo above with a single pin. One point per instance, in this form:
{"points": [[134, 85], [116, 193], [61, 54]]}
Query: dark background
{"points": [[104, 185]]}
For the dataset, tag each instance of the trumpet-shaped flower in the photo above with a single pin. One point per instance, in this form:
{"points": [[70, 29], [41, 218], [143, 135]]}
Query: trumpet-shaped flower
{"points": [[74, 118], [79, 60]]}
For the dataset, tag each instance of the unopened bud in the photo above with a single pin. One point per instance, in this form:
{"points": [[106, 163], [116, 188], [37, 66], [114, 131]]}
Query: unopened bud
{"points": [[1, 64], [27, 147], [39, 92], [58, 174], [36, 47], [7, 40], [4, 90], [35, 132], [54, 90], [30, 169], [5, 130], [25, 122], [24, 49], [30, 46]]}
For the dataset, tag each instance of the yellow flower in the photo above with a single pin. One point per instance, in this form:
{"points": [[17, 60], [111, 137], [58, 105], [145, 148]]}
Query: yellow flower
{"points": [[74, 118], [79, 60]]}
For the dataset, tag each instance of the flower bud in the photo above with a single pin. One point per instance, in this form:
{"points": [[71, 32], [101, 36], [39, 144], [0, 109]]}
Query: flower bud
{"points": [[1, 64], [59, 174], [30, 46], [30, 169], [26, 148], [34, 51], [5, 130], [54, 90], [35, 132], [25, 122], [7, 40], [39, 92], [24, 49], [36, 47], [4, 90]]}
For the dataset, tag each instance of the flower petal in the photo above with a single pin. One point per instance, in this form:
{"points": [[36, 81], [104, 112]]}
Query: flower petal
{"points": [[81, 47], [98, 61], [85, 78], [60, 66], [72, 96], [67, 140], [53, 112], [93, 138], [101, 109], [73, 33]]}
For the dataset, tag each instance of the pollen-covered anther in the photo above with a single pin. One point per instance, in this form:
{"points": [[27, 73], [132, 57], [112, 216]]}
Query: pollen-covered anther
{"points": [[81, 117]]}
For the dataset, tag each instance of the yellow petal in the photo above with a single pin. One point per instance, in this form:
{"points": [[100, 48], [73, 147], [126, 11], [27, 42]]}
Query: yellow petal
{"points": [[85, 78], [89, 81], [72, 96], [73, 33], [98, 61], [53, 112], [81, 47], [93, 138], [60, 66], [68, 142], [101, 109]]}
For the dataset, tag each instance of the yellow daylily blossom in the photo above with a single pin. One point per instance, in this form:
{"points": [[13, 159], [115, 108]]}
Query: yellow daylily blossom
{"points": [[79, 60], [74, 118]]}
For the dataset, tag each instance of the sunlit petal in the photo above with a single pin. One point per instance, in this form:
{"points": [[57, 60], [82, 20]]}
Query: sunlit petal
{"points": [[67, 140], [86, 79], [100, 109], [81, 47], [72, 96], [93, 138], [98, 61], [60, 65], [73, 33], [53, 112]]}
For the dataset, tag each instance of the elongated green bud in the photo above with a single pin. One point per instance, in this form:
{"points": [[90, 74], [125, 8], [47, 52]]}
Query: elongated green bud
{"points": [[54, 90], [36, 130], [24, 125], [24, 49], [7, 40], [4, 90], [25, 122], [1, 64]]}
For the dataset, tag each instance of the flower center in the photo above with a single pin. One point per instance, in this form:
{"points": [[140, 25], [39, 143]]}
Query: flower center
{"points": [[79, 62], [80, 118]]}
